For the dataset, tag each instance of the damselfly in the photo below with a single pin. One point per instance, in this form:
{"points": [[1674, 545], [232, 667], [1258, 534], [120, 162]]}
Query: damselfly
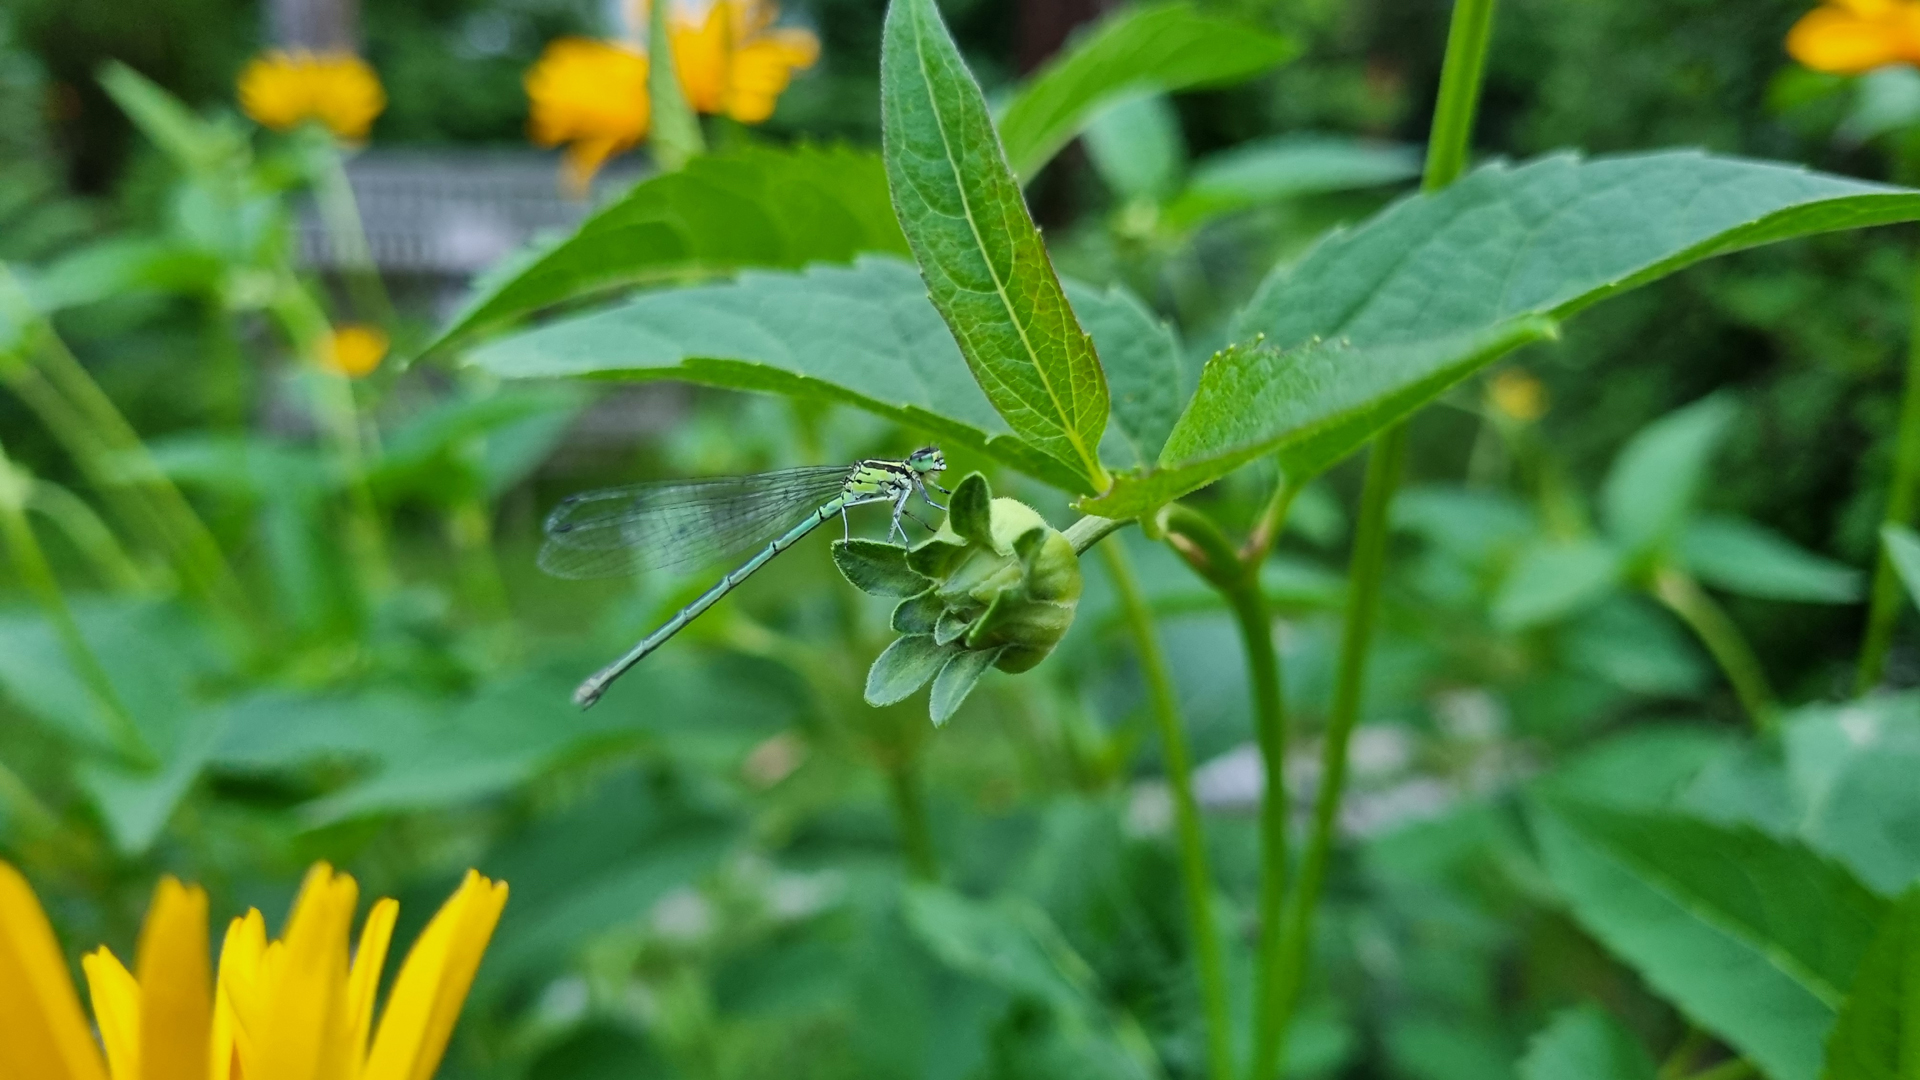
{"points": [[691, 523]]}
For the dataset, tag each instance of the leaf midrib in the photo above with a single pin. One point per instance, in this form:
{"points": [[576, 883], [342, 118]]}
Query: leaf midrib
{"points": [[1067, 427], [1663, 884]]}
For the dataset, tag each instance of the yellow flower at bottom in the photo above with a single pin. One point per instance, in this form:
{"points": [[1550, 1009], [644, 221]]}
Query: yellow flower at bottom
{"points": [[734, 61], [282, 90], [297, 1008], [591, 95], [354, 350], [1852, 36]]}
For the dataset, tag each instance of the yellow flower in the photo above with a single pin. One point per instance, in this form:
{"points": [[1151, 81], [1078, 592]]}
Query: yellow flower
{"points": [[1851, 36], [354, 350], [591, 95], [299, 1008], [734, 61], [1518, 395], [282, 90]]}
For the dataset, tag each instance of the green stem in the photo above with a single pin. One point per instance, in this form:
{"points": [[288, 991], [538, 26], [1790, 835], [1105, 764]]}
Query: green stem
{"points": [[87, 533], [30, 562], [1237, 577], [1090, 530], [1723, 639], [1888, 595], [1366, 571], [910, 812], [1210, 967], [107, 448], [676, 136], [1449, 143], [347, 234]]}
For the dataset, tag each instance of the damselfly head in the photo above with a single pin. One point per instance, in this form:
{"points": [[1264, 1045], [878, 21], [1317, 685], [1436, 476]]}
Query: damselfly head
{"points": [[927, 459]]}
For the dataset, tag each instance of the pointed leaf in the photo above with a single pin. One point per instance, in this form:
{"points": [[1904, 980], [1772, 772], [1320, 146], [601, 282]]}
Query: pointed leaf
{"points": [[1136, 147], [1877, 1036], [1586, 1044], [1655, 480], [905, 666], [1741, 557], [1382, 318], [1755, 939], [951, 626], [877, 568], [956, 680], [970, 510], [1288, 167], [1140, 48], [979, 251], [751, 207], [1550, 581]]}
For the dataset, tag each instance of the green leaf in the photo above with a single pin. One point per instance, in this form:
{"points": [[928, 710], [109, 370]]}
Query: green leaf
{"points": [[1288, 167], [1903, 548], [1754, 938], [1741, 557], [905, 666], [1877, 1036], [1586, 1044], [1378, 320], [1142, 48], [194, 144], [1314, 405], [1657, 475], [956, 680], [970, 510], [864, 335], [985, 267], [877, 569], [1136, 147], [1852, 768], [919, 614], [1146, 371], [750, 207], [1550, 581]]}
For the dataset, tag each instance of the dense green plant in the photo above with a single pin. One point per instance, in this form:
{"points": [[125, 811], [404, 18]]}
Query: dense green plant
{"points": [[759, 854]]}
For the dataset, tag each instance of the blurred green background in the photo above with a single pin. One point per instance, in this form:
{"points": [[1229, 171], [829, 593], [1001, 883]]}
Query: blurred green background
{"points": [[706, 869]]}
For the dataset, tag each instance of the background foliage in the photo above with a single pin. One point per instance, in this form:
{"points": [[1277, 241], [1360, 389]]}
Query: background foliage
{"points": [[1565, 849]]}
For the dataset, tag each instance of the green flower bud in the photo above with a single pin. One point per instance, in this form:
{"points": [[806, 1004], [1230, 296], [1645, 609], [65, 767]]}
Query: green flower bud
{"points": [[995, 586]]}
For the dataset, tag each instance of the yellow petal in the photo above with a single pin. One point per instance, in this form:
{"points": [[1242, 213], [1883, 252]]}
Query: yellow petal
{"points": [[354, 350], [701, 57], [176, 991], [116, 1007], [433, 983], [762, 69], [237, 1005], [306, 1014], [363, 981], [43, 1033], [1857, 36], [592, 94]]}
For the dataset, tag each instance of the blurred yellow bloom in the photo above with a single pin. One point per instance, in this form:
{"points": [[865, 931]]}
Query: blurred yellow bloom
{"points": [[734, 60], [1851, 36], [354, 350], [282, 90], [1518, 395], [591, 95], [299, 1008]]}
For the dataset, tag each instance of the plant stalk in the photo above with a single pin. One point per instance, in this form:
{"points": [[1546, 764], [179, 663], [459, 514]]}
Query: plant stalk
{"points": [[1888, 595], [1448, 148], [1209, 964], [1685, 598], [910, 813], [1236, 574]]}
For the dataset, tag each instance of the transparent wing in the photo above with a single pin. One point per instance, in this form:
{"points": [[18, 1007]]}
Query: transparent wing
{"points": [[623, 530]]}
